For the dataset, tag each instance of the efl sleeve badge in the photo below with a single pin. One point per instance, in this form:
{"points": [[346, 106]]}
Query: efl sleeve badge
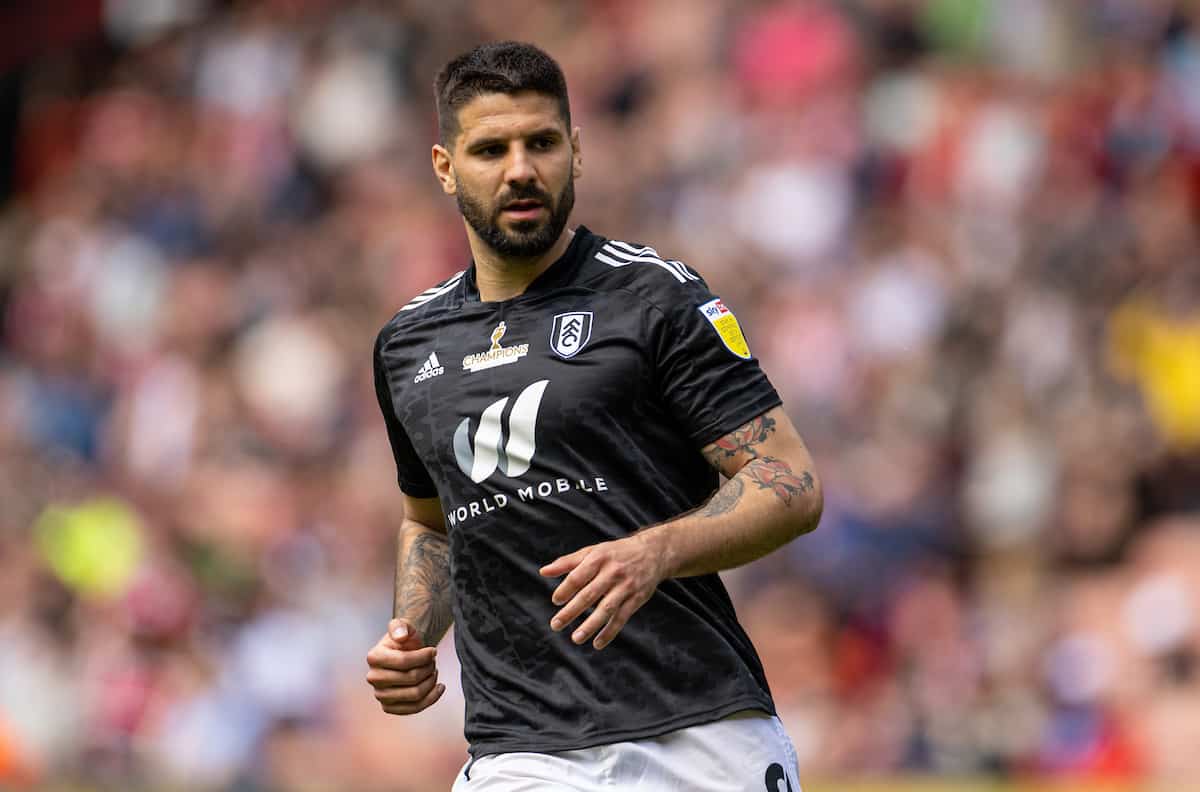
{"points": [[727, 327]]}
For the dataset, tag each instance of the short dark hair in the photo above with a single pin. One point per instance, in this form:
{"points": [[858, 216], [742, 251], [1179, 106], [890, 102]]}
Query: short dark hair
{"points": [[507, 67]]}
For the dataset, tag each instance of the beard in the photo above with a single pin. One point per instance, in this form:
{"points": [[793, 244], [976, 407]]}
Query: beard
{"points": [[528, 238]]}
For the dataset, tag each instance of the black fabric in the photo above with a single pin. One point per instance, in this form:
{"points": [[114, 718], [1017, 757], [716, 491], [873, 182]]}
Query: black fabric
{"points": [[615, 431], [411, 474]]}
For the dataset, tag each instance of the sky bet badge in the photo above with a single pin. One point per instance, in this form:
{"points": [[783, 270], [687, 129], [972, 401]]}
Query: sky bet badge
{"points": [[570, 332], [726, 325]]}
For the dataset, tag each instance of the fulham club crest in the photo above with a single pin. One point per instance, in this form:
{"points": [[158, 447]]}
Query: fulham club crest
{"points": [[570, 333]]}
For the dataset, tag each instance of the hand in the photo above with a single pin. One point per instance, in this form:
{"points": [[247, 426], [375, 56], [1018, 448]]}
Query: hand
{"points": [[403, 672], [615, 578]]}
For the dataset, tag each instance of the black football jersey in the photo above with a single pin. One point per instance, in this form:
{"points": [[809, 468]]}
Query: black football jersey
{"points": [[569, 415]]}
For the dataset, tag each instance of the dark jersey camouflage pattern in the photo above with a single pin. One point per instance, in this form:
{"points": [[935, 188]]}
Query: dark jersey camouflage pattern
{"points": [[570, 415]]}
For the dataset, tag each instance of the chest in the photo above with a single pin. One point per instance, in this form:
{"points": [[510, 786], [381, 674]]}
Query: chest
{"points": [[494, 388]]}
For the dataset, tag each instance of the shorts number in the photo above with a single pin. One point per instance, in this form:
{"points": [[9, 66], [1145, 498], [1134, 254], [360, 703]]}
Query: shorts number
{"points": [[774, 775]]}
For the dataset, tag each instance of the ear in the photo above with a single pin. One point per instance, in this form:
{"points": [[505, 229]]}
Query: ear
{"points": [[577, 154], [443, 168]]}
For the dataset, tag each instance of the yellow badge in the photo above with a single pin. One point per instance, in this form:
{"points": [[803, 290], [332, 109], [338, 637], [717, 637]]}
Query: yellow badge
{"points": [[727, 327]]}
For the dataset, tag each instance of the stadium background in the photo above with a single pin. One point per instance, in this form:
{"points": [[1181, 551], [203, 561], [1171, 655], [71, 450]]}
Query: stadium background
{"points": [[961, 235]]}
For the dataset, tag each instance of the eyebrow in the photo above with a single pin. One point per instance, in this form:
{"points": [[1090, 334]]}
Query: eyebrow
{"points": [[491, 141]]}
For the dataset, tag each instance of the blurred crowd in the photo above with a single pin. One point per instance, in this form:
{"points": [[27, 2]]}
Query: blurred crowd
{"points": [[961, 235]]}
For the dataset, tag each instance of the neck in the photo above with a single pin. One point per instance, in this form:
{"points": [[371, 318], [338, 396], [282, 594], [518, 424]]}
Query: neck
{"points": [[501, 277]]}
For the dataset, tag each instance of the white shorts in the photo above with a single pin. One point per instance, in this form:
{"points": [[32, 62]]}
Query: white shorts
{"points": [[746, 752]]}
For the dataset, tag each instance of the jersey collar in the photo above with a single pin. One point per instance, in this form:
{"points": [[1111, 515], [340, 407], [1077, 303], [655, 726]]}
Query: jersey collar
{"points": [[558, 274]]}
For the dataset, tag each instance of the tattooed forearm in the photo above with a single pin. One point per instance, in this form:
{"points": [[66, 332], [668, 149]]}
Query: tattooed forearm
{"points": [[725, 499], [742, 439], [770, 497], [423, 591], [775, 474], [766, 473]]}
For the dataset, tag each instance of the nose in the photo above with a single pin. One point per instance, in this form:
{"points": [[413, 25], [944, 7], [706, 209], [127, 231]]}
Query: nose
{"points": [[520, 167]]}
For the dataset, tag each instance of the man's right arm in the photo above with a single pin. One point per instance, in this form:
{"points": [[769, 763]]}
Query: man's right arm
{"points": [[423, 593], [403, 663]]}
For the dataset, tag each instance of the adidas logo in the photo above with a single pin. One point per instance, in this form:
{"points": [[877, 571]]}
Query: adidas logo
{"points": [[430, 368]]}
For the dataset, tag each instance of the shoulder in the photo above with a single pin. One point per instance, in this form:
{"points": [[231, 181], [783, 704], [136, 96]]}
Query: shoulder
{"points": [[642, 271], [433, 301]]}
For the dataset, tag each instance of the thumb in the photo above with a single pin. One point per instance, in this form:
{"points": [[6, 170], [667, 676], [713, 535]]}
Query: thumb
{"points": [[400, 630]]}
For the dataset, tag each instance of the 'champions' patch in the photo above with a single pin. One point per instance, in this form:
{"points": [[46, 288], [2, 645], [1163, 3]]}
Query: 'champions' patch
{"points": [[496, 355], [727, 327]]}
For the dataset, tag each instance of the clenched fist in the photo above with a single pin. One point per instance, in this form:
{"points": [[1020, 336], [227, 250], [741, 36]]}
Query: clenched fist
{"points": [[403, 671]]}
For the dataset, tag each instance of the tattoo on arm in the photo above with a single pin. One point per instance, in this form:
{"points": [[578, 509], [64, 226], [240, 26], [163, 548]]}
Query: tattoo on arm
{"points": [[774, 474], [423, 594], [742, 439], [767, 473], [725, 499]]}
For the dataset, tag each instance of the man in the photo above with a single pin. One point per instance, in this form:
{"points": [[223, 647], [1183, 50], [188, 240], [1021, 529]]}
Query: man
{"points": [[560, 413]]}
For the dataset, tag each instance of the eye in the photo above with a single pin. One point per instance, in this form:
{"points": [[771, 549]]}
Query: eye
{"points": [[494, 150], [543, 143]]}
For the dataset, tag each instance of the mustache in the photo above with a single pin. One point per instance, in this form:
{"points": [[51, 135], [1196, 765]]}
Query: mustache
{"points": [[526, 193]]}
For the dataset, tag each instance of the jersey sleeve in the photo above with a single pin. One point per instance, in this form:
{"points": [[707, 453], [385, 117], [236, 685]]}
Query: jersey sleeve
{"points": [[410, 471], [707, 376]]}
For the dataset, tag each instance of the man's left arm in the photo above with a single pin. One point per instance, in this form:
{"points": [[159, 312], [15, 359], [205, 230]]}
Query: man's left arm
{"points": [[770, 497]]}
